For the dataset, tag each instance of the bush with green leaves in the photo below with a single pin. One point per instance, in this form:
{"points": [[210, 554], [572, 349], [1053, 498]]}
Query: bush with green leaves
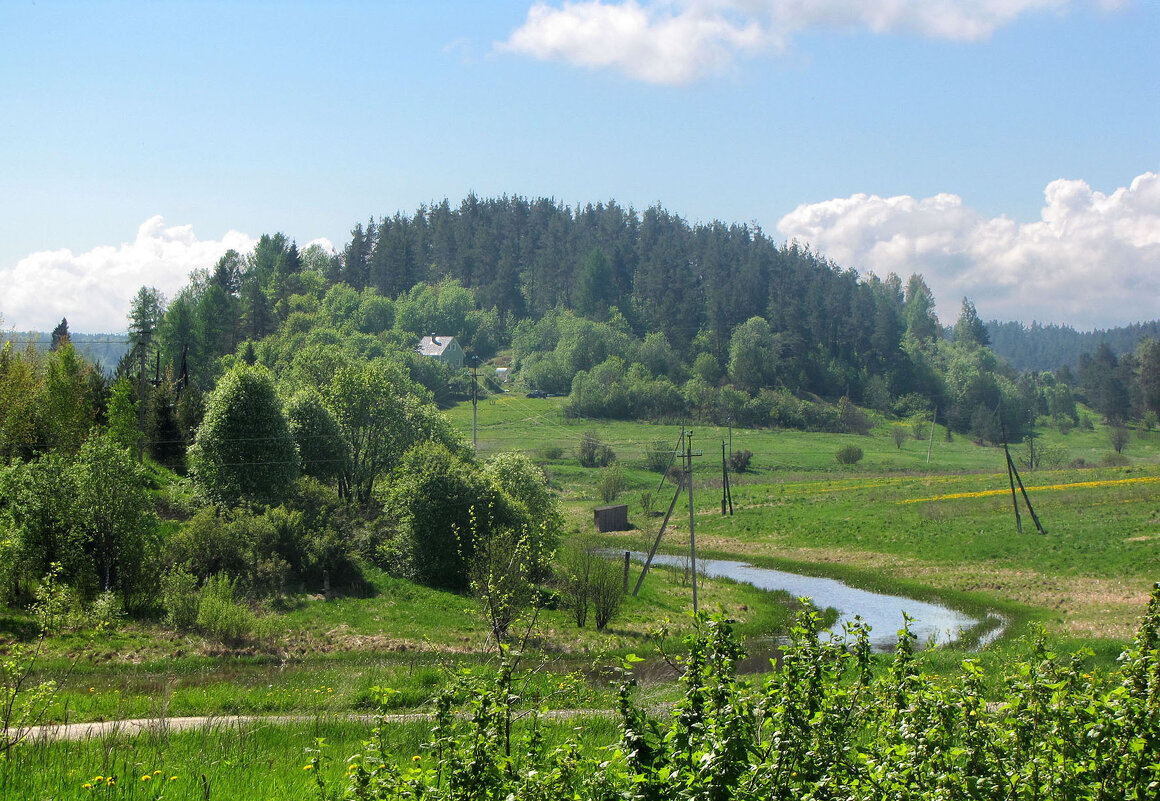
{"points": [[739, 460], [826, 724], [220, 616], [180, 599], [441, 502], [610, 483], [659, 455], [848, 454], [592, 452], [244, 450]]}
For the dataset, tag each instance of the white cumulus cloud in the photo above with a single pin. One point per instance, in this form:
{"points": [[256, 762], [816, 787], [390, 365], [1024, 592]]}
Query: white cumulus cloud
{"points": [[678, 41], [1091, 260], [93, 289]]}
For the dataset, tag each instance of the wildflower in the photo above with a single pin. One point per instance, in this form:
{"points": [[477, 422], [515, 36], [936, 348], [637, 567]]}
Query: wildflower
{"points": [[87, 785], [308, 767], [172, 778], [146, 777], [416, 758], [156, 773]]}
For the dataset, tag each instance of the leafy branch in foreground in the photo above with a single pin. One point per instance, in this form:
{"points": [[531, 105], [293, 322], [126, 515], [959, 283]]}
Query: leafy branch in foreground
{"points": [[823, 726]]}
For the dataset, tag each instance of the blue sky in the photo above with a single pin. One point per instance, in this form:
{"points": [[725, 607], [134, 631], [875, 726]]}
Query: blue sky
{"points": [[1006, 149]]}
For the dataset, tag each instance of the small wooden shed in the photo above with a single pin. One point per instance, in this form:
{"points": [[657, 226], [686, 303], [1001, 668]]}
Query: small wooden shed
{"points": [[611, 518]]}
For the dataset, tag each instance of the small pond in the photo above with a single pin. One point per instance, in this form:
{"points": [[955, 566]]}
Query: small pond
{"points": [[932, 623]]}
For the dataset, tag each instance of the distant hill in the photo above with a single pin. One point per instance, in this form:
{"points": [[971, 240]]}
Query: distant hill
{"points": [[1048, 347], [104, 350]]}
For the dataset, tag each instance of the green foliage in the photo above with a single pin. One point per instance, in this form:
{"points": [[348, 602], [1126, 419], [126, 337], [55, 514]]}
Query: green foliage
{"points": [[526, 486], [220, 616], [823, 719], [551, 452], [443, 504], [381, 414], [611, 483], [501, 573], [898, 434], [591, 452], [851, 419], [659, 455], [112, 516], [267, 553], [66, 405], [848, 454], [244, 449], [90, 514], [754, 355], [739, 460], [121, 414], [1118, 437], [322, 452], [180, 599], [606, 588]]}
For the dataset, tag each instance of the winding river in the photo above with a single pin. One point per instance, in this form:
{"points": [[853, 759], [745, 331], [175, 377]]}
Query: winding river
{"points": [[932, 623]]}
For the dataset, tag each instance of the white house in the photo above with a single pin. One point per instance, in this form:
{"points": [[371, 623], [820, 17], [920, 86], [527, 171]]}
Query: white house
{"points": [[445, 349]]}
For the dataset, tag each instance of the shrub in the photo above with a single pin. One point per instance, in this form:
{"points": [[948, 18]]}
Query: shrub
{"points": [[658, 456], [898, 434], [576, 567], [106, 611], [180, 599], [739, 461], [611, 483], [607, 588], [849, 454], [219, 616], [1118, 437], [851, 419], [551, 452], [591, 452], [1114, 460]]}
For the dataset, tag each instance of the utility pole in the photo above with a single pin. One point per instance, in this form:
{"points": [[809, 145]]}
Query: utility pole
{"points": [[141, 403], [1032, 437], [475, 405], [692, 531], [930, 445], [686, 478]]}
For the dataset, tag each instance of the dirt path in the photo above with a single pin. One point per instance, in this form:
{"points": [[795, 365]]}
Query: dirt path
{"points": [[157, 726]]}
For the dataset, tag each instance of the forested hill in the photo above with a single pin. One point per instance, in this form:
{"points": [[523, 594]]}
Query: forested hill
{"points": [[1049, 347]]}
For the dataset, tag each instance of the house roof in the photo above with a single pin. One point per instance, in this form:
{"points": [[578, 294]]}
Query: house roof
{"points": [[434, 345]]}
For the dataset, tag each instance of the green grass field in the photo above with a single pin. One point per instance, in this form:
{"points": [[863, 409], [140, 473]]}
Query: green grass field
{"points": [[942, 529]]}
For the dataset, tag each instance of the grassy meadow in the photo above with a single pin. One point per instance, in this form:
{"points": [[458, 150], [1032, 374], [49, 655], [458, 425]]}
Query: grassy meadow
{"points": [[928, 517], [938, 527]]}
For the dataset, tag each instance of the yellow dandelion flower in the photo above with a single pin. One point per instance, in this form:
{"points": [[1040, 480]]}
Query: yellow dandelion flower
{"points": [[109, 782], [308, 767], [416, 758], [172, 778], [146, 777], [98, 778], [156, 773], [87, 786]]}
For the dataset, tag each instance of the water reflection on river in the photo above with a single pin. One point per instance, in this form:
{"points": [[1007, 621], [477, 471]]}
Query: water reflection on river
{"points": [[932, 623]]}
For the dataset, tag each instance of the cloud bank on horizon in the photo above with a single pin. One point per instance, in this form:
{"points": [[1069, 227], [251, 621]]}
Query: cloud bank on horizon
{"points": [[93, 289], [681, 41], [1092, 260]]}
